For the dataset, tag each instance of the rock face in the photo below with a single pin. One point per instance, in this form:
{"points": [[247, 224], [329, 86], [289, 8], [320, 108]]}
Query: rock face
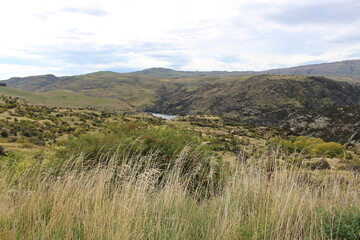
{"points": [[331, 124]]}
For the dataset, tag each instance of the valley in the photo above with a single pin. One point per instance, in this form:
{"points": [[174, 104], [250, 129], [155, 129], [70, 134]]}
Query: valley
{"points": [[171, 154], [248, 97]]}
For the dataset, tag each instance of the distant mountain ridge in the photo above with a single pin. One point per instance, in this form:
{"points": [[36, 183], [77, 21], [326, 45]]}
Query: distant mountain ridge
{"points": [[170, 73], [347, 68], [147, 88], [343, 68]]}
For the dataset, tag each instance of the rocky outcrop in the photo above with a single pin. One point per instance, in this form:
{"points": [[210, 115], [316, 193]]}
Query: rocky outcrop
{"points": [[331, 124]]}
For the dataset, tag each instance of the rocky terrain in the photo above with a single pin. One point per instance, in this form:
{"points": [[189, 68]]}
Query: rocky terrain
{"points": [[264, 99], [331, 124]]}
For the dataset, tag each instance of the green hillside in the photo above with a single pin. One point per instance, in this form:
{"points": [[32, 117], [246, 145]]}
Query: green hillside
{"points": [[29, 96], [64, 98]]}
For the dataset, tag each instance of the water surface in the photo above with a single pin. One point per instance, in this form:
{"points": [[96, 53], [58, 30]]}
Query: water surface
{"points": [[164, 116]]}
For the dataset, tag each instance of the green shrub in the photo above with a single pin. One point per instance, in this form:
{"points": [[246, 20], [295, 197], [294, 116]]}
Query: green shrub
{"points": [[121, 138], [122, 142], [305, 144], [320, 164], [2, 151], [308, 145], [278, 141], [4, 133], [343, 224], [330, 149]]}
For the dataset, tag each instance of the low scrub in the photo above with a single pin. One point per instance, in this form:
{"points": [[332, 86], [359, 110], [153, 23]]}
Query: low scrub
{"points": [[118, 144], [308, 145]]}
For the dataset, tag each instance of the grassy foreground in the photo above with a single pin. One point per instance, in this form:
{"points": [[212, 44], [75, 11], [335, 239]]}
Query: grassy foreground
{"points": [[253, 204], [170, 193]]}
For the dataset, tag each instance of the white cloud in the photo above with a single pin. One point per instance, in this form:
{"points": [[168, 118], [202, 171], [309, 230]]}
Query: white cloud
{"points": [[73, 36]]}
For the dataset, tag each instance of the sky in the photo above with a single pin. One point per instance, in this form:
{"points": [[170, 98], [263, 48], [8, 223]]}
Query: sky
{"points": [[69, 37]]}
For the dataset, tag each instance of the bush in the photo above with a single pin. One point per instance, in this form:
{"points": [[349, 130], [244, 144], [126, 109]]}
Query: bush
{"points": [[131, 137], [320, 164], [278, 141], [330, 149], [308, 145], [120, 143], [4, 133], [343, 224], [2, 151]]}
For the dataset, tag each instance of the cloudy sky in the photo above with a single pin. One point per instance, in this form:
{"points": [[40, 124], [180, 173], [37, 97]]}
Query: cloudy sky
{"points": [[67, 37]]}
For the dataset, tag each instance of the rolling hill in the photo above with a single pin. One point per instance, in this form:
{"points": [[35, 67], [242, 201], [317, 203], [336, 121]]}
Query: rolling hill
{"points": [[349, 69], [137, 90], [153, 78], [263, 99], [343, 70], [65, 98]]}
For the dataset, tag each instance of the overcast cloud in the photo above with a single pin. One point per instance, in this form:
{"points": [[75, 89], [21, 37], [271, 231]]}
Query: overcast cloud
{"points": [[73, 36]]}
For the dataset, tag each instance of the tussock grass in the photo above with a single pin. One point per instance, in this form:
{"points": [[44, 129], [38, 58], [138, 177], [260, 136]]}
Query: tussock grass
{"points": [[137, 200]]}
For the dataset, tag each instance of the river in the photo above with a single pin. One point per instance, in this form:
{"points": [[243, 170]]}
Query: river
{"points": [[164, 116]]}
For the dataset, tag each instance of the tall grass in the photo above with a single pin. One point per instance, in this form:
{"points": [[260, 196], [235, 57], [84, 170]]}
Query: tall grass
{"points": [[137, 200]]}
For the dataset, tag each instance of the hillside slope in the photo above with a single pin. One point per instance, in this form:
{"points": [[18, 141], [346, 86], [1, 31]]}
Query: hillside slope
{"points": [[32, 83], [137, 90], [331, 124], [263, 99], [64, 98], [153, 78]]}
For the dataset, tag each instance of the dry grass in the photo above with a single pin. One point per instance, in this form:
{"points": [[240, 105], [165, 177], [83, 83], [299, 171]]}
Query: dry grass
{"points": [[257, 201]]}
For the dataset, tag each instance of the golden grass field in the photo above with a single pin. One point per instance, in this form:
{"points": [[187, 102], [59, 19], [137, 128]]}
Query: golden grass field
{"points": [[256, 201]]}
